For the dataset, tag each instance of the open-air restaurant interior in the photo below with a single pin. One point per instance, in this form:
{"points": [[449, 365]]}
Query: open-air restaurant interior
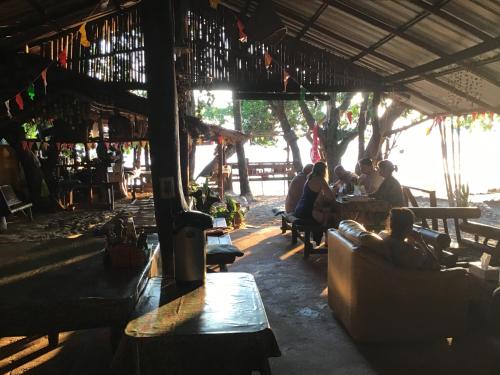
{"points": [[239, 187]]}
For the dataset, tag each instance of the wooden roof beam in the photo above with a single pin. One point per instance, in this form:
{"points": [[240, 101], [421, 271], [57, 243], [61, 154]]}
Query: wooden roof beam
{"points": [[34, 4], [471, 29], [430, 101], [416, 41], [396, 32], [455, 58], [390, 60], [311, 21]]}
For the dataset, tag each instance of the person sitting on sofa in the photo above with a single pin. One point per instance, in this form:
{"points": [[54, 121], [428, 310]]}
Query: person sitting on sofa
{"points": [[296, 188], [390, 190], [406, 248]]}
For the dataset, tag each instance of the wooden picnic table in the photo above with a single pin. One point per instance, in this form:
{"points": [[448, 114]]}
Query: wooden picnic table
{"points": [[368, 211], [220, 327]]}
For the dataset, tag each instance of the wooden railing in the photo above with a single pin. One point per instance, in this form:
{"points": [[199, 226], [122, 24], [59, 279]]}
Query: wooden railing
{"points": [[266, 171], [410, 199]]}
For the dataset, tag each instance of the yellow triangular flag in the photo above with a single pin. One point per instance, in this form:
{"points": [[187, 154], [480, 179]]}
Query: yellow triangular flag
{"points": [[83, 35]]}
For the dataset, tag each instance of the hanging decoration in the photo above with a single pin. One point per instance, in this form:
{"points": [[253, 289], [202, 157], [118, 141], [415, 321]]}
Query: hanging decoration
{"points": [[31, 91], [83, 36], [214, 3], [24, 145], [7, 105], [241, 29], [302, 95], [62, 59], [43, 74], [315, 156], [286, 76], [474, 116], [220, 139], [492, 116], [349, 116], [19, 101], [268, 60]]}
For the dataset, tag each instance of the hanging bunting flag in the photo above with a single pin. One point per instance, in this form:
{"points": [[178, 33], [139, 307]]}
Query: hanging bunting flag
{"points": [[62, 58], [268, 60], [474, 116], [7, 105], [24, 145], [30, 145], [349, 116], [302, 95], [143, 143], [492, 116], [19, 101], [58, 146], [286, 76], [241, 29], [214, 3], [106, 145], [38, 145], [83, 35], [31, 91], [315, 156], [220, 139], [44, 79]]}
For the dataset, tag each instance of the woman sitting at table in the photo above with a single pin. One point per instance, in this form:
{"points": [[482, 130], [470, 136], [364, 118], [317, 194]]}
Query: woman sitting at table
{"points": [[315, 188], [406, 248], [390, 190]]}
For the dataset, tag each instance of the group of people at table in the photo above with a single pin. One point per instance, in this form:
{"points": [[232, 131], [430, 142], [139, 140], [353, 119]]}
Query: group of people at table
{"points": [[311, 198]]}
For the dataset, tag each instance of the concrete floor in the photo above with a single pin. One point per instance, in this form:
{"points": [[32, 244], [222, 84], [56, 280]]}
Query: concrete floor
{"points": [[311, 340]]}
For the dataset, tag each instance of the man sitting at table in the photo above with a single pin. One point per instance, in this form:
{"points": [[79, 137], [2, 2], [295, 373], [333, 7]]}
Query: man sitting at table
{"points": [[369, 178], [296, 188], [346, 180]]}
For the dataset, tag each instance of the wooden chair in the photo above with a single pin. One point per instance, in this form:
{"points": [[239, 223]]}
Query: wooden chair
{"points": [[10, 203]]}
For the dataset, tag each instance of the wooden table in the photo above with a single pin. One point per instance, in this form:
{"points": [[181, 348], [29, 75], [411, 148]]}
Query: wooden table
{"points": [[220, 327], [70, 290]]}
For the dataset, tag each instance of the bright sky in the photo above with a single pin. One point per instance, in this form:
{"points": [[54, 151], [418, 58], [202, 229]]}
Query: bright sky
{"points": [[417, 155]]}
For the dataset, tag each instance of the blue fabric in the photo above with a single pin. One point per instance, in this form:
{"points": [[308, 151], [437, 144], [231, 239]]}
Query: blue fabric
{"points": [[306, 203]]}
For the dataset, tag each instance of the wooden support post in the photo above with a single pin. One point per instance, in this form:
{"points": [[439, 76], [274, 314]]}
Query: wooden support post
{"points": [[184, 152], [163, 122], [220, 177], [433, 203]]}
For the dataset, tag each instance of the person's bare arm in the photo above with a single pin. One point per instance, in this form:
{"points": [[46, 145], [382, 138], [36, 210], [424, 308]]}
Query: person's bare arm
{"points": [[329, 194]]}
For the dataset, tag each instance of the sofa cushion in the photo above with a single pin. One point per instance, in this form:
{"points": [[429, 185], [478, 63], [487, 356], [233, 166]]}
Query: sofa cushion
{"points": [[365, 240]]}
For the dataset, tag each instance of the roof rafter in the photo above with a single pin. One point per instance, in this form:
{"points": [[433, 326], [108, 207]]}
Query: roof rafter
{"points": [[416, 41], [396, 32], [455, 58], [437, 11], [392, 61], [311, 21]]}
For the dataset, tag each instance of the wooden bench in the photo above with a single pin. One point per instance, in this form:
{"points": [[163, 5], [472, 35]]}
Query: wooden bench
{"points": [[489, 234], [220, 249], [300, 229], [10, 203]]}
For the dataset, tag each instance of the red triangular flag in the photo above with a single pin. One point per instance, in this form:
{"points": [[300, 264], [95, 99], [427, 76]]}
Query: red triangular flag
{"points": [[24, 145], [19, 101], [241, 29], [44, 78], [474, 116], [492, 116], [62, 58], [268, 60], [349, 117]]}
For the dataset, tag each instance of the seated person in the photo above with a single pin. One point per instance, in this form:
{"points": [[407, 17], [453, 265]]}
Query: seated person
{"points": [[390, 189], [346, 180], [315, 187], [369, 178], [296, 188], [406, 248]]}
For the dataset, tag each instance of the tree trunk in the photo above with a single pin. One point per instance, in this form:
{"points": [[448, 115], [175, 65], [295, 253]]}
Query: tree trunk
{"points": [[382, 127], [240, 151], [210, 167], [363, 117], [192, 158], [278, 108]]}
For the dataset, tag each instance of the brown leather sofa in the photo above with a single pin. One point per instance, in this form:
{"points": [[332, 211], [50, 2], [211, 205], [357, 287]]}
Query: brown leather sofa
{"points": [[376, 301]]}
